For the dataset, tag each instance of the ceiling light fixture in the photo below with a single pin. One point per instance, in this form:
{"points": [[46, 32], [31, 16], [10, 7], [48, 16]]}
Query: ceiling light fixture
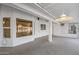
{"points": [[63, 18]]}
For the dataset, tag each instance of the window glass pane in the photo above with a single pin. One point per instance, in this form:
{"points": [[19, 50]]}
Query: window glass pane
{"points": [[23, 27], [6, 27]]}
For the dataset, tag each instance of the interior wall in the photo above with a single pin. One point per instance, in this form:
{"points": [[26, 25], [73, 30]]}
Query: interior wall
{"points": [[38, 31], [13, 13], [26, 16], [63, 31], [1, 28], [5, 12]]}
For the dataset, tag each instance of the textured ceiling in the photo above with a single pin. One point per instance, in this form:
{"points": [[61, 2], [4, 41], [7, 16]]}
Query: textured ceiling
{"points": [[51, 10], [56, 9]]}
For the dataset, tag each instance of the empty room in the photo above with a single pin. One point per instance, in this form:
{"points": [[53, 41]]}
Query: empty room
{"points": [[39, 28]]}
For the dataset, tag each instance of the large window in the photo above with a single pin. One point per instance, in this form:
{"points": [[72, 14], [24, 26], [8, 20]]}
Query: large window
{"points": [[6, 27], [23, 27]]}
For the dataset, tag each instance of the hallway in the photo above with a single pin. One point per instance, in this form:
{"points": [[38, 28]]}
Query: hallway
{"points": [[59, 46]]}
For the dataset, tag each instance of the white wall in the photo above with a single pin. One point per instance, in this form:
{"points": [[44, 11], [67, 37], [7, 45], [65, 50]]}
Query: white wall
{"points": [[1, 28], [38, 31], [13, 14], [5, 12], [26, 16], [63, 31]]}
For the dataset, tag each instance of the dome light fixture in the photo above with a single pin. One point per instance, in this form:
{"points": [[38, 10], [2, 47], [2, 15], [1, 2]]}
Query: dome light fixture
{"points": [[63, 18]]}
